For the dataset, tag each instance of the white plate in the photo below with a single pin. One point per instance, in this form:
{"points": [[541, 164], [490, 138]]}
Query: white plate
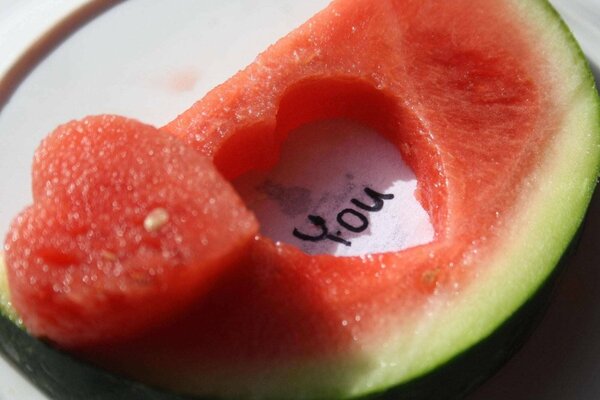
{"points": [[150, 60]]}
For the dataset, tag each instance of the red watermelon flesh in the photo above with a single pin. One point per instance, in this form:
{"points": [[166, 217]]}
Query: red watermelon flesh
{"points": [[471, 111], [473, 107], [467, 110], [128, 227]]}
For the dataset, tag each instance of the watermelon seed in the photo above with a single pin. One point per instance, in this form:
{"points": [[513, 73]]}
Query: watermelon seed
{"points": [[429, 277], [156, 219]]}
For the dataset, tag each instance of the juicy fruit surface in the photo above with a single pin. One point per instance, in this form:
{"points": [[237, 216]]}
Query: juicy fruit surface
{"points": [[125, 218], [503, 139], [468, 110], [475, 105]]}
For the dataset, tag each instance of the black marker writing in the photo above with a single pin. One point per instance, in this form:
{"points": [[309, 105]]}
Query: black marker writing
{"points": [[320, 223], [364, 222], [352, 226], [317, 221], [378, 198]]}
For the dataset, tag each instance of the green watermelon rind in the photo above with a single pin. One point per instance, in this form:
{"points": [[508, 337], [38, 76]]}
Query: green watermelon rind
{"points": [[63, 377], [549, 219], [449, 364], [552, 215]]}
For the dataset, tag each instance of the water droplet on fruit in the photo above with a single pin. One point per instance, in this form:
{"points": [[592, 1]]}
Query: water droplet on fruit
{"points": [[156, 219]]}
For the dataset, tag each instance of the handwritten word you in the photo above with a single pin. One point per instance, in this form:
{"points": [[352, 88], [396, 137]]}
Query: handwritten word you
{"points": [[349, 219]]}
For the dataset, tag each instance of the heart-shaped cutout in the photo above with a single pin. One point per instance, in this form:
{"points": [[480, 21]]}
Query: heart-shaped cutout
{"points": [[125, 218]]}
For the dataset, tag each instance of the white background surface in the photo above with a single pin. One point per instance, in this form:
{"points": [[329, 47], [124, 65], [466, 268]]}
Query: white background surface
{"points": [[562, 359]]}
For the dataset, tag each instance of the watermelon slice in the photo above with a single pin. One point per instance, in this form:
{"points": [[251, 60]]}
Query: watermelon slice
{"points": [[125, 218], [490, 123], [493, 107]]}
